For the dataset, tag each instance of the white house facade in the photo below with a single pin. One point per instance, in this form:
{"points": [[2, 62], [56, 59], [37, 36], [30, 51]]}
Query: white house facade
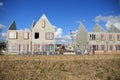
{"points": [[39, 40]]}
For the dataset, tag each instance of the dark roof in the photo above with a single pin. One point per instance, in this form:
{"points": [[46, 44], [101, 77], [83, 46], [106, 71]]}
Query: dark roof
{"points": [[114, 29], [12, 26]]}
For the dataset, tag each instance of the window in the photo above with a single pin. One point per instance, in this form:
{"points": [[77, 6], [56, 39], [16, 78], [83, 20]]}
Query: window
{"points": [[102, 37], [92, 36], [102, 47], [25, 48], [49, 35], [13, 35], [43, 23], [111, 47], [36, 47], [36, 35], [110, 37], [49, 47], [118, 37], [13, 47], [117, 47], [95, 47], [26, 35]]}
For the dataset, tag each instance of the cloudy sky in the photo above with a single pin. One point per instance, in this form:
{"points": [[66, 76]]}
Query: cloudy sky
{"points": [[65, 15]]}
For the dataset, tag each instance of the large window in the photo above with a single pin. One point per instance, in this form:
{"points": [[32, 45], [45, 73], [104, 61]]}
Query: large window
{"points": [[49, 48], [26, 35], [13, 35], [110, 37], [118, 37], [36, 35], [102, 37], [92, 36], [36, 47], [13, 47], [94, 47], [25, 48], [49, 35], [117, 47]]}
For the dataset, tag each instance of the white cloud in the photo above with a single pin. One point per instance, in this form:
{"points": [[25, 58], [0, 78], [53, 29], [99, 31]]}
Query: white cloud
{"points": [[1, 4], [64, 39], [58, 33], [109, 20], [26, 29], [4, 35], [1, 27], [71, 35]]}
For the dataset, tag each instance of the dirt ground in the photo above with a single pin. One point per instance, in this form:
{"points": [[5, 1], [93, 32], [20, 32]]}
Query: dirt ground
{"points": [[60, 67]]}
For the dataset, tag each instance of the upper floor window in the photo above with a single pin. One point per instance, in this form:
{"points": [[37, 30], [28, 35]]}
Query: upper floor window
{"points": [[49, 35], [26, 35], [92, 36], [102, 37], [110, 37], [43, 23], [118, 37], [13, 35], [36, 35]]}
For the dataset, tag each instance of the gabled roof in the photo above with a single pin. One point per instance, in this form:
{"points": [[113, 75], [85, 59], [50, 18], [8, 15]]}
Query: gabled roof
{"points": [[44, 19], [81, 34], [98, 28], [114, 29], [12, 26]]}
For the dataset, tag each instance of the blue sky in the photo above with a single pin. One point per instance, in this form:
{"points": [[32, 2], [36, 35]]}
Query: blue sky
{"points": [[64, 14]]}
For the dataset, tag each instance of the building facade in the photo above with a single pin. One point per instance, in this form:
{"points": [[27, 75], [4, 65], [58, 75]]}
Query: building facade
{"points": [[39, 40], [99, 40]]}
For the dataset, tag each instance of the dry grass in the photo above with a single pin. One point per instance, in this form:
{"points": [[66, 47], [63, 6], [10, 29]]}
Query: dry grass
{"points": [[67, 67]]}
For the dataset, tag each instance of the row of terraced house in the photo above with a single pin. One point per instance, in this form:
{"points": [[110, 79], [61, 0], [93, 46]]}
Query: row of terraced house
{"points": [[41, 38], [98, 40]]}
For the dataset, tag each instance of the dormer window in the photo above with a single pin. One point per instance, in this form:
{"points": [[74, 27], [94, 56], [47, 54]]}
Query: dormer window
{"points": [[43, 23]]}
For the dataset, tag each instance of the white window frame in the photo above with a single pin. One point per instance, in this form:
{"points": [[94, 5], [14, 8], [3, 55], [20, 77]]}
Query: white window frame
{"points": [[26, 35], [118, 37], [49, 35], [13, 35]]}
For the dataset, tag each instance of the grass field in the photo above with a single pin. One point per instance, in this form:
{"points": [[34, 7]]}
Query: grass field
{"points": [[60, 67]]}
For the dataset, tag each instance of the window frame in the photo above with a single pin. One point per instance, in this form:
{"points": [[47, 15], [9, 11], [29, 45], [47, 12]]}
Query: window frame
{"points": [[110, 37], [102, 37], [49, 36], [35, 35], [10, 35], [118, 37], [25, 34]]}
